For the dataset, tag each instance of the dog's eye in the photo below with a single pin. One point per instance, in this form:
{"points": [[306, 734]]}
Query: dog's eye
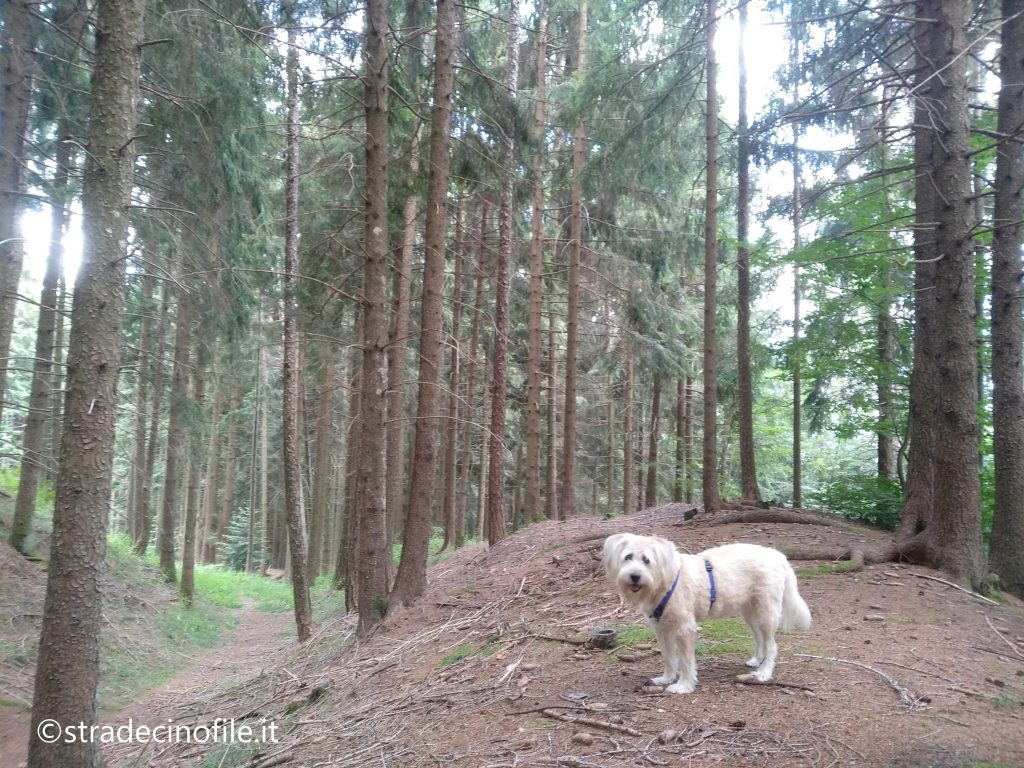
{"points": [[647, 560], [629, 556]]}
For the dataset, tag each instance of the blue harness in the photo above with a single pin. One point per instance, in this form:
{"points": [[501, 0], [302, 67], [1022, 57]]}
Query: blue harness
{"points": [[660, 609]]}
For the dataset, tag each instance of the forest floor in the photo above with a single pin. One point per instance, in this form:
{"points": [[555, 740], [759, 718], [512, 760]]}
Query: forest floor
{"points": [[488, 668]]}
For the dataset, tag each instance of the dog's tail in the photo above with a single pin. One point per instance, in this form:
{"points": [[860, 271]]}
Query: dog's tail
{"points": [[795, 613]]}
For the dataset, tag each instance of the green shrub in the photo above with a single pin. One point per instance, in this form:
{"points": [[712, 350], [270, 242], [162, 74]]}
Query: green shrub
{"points": [[865, 498]]}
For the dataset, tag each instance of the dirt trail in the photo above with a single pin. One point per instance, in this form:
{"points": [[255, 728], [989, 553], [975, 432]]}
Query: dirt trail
{"points": [[257, 641]]}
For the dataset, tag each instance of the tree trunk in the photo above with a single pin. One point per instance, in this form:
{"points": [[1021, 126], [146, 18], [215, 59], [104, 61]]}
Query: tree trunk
{"points": [[1007, 542], [177, 442], [411, 579], [680, 466], [745, 388], [142, 534], [709, 477], [953, 540], [651, 490], [371, 536], [451, 466], [506, 236], [627, 435], [323, 474], [533, 372], [795, 357], [195, 471], [474, 340], [227, 501], [611, 507], [567, 469], [40, 408], [688, 440], [67, 672], [15, 101], [550, 472], [138, 468], [206, 543], [291, 371], [344, 564]]}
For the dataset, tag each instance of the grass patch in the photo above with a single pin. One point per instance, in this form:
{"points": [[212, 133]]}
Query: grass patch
{"points": [[810, 571], [464, 651], [227, 588], [720, 636], [231, 755]]}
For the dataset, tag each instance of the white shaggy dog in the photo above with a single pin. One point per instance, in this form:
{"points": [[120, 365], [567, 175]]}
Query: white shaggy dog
{"points": [[676, 591]]}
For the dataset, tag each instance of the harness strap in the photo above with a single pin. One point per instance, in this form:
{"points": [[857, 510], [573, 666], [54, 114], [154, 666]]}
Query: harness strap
{"points": [[664, 601]]}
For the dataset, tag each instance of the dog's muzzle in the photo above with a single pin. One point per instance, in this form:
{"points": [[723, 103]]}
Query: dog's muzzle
{"points": [[634, 582]]}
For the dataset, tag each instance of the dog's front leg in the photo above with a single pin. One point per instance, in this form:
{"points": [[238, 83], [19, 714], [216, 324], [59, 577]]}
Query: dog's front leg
{"points": [[686, 648], [669, 655]]}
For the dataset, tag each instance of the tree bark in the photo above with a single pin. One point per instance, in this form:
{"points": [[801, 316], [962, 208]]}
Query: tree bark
{"points": [[206, 542], [145, 527], [451, 464], [628, 500], [795, 357], [372, 537], [745, 388], [651, 489], [534, 363], [506, 238], [138, 467], [195, 471], [67, 672], [680, 465], [411, 579], [550, 471], [567, 468], [291, 372], [227, 501], [1007, 541], [709, 477], [954, 540], [323, 474]]}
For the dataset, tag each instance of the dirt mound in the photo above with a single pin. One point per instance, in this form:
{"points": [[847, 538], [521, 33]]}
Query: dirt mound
{"points": [[489, 668]]}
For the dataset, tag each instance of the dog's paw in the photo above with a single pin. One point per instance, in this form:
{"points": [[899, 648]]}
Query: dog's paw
{"points": [[684, 686], [663, 680], [757, 676], [753, 662]]}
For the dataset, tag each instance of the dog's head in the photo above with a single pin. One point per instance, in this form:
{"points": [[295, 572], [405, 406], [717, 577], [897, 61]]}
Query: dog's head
{"points": [[641, 567]]}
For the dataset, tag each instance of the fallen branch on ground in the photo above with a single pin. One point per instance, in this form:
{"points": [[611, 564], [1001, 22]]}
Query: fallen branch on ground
{"points": [[956, 586], [910, 701], [591, 722]]}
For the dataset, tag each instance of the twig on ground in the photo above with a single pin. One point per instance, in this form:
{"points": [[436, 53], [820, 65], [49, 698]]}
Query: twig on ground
{"points": [[565, 718], [956, 586], [910, 701], [775, 683], [1004, 639]]}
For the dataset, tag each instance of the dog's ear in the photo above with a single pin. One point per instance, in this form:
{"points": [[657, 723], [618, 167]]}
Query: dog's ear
{"points": [[612, 547], [666, 553]]}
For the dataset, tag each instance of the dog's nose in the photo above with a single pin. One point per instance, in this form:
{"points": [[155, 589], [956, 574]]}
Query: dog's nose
{"points": [[635, 578]]}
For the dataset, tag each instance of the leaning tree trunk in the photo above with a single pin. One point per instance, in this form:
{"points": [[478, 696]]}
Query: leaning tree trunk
{"points": [[411, 579], [291, 371], [506, 234], [709, 477], [1007, 378], [67, 672], [373, 584]]}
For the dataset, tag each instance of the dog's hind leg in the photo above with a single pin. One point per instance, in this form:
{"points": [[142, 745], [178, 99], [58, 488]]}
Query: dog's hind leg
{"points": [[686, 648], [755, 630], [764, 628]]}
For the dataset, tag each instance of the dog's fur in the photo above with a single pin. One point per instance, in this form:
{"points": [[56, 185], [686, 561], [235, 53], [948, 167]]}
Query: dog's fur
{"points": [[754, 582]]}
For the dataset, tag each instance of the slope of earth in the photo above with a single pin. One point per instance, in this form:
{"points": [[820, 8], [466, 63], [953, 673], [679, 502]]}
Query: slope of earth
{"points": [[488, 668]]}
